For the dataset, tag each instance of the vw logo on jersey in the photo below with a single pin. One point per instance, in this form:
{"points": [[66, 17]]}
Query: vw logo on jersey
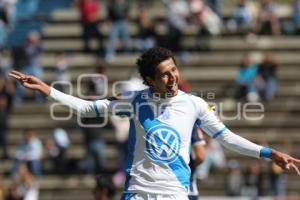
{"points": [[163, 144]]}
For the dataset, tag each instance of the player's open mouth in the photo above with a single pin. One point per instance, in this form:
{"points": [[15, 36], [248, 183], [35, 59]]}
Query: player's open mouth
{"points": [[172, 88]]}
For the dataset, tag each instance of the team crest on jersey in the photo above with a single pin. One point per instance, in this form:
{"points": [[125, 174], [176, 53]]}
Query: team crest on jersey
{"points": [[165, 115], [163, 144]]}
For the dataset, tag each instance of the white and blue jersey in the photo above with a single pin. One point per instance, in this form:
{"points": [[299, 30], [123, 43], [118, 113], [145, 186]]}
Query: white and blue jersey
{"points": [[160, 136]]}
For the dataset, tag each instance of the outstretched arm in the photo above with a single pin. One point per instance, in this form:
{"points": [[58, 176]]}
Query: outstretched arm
{"points": [[216, 129], [84, 108]]}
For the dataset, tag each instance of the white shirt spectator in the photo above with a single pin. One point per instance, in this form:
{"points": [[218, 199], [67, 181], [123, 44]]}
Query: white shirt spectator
{"points": [[31, 150], [61, 138]]}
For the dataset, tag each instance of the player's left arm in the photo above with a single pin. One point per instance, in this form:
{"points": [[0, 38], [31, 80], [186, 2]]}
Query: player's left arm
{"points": [[216, 129]]}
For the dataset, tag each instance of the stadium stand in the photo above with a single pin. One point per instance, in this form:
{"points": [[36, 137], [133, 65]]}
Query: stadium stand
{"points": [[211, 70]]}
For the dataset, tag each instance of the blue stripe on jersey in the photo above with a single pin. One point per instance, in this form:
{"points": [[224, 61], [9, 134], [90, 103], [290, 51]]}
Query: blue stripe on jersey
{"points": [[131, 148], [182, 171], [198, 122], [146, 118], [96, 109], [127, 196], [217, 134]]}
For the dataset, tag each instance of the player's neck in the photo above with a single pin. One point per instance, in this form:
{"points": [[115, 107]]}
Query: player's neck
{"points": [[161, 95]]}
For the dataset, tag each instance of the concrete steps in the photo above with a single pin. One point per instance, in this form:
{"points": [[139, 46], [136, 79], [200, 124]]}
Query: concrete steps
{"points": [[197, 59], [72, 44], [211, 71]]}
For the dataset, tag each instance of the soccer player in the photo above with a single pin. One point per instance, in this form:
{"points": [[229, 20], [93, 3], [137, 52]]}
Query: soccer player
{"points": [[161, 122]]}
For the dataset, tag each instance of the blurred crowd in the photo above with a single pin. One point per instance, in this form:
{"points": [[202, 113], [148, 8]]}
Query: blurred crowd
{"points": [[110, 22], [247, 18], [257, 82]]}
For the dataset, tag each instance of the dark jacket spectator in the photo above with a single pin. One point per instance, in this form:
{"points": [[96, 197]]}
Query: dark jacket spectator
{"points": [[266, 79], [268, 21], [117, 15]]}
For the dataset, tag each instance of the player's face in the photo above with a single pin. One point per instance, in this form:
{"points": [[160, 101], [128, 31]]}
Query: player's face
{"points": [[166, 79]]}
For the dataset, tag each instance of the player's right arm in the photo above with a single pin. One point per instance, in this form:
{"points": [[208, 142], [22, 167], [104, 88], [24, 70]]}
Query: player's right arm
{"points": [[84, 108], [217, 130]]}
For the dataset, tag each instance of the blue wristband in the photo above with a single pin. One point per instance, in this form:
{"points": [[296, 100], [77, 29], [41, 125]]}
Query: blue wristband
{"points": [[265, 152]]}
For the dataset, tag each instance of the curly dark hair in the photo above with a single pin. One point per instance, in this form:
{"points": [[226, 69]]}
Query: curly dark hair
{"points": [[149, 60]]}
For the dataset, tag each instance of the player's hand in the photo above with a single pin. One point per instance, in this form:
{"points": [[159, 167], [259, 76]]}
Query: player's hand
{"points": [[31, 82], [285, 161]]}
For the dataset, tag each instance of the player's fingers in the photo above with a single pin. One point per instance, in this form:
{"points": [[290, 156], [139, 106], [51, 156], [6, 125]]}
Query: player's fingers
{"points": [[296, 160], [17, 73], [295, 168], [14, 76], [30, 86], [287, 166]]}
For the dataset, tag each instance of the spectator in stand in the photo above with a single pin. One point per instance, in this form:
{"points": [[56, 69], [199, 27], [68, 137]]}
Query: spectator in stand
{"points": [[2, 187], [33, 53], [233, 179], [216, 6], [278, 178], [296, 16], [266, 78], [90, 14], [243, 17], [7, 89], [19, 57], [214, 158], [210, 23], [121, 128], [245, 80], [63, 76], [3, 31], [6, 62], [3, 12], [7, 13], [268, 21], [24, 186], [147, 35], [253, 180], [29, 152], [7, 20], [57, 148], [94, 144], [277, 181], [12, 193], [177, 14], [6, 93], [104, 189], [26, 9], [4, 117], [96, 84], [3, 35], [117, 15]]}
